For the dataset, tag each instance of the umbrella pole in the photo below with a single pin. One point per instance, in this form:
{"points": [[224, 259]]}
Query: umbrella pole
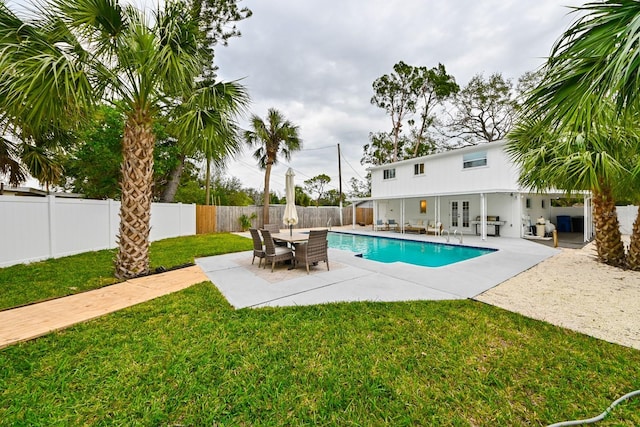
{"points": [[290, 229]]}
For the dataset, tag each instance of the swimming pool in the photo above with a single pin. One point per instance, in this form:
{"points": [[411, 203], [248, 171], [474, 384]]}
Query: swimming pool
{"points": [[385, 249]]}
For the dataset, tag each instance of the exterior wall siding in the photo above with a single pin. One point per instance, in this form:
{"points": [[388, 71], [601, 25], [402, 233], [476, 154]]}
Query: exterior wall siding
{"points": [[444, 174]]}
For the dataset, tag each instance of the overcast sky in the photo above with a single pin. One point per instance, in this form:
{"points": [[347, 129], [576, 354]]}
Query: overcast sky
{"points": [[316, 60]]}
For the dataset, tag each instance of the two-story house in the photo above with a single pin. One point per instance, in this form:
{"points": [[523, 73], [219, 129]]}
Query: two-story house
{"points": [[473, 190]]}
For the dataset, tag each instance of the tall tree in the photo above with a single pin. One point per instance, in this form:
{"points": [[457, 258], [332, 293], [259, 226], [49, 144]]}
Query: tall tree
{"points": [[218, 20], [436, 87], [410, 90], [82, 51], [589, 91], [359, 188], [92, 166], [302, 198], [317, 185], [484, 110], [277, 136]]}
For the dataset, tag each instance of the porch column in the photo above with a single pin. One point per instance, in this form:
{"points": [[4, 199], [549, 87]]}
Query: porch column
{"points": [[519, 213], [588, 221], [483, 216], [402, 205], [375, 214]]}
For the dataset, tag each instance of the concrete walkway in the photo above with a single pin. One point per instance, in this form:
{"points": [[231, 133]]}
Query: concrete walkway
{"points": [[35, 320]]}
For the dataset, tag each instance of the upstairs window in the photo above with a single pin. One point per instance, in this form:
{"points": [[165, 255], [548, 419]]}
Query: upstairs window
{"points": [[474, 160], [389, 173], [418, 169]]}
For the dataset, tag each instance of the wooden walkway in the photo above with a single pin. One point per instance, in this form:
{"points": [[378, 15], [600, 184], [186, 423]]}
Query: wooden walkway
{"points": [[35, 320]]}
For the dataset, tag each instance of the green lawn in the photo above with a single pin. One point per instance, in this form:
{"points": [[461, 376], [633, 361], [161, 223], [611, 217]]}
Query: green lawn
{"points": [[190, 359], [24, 284]]}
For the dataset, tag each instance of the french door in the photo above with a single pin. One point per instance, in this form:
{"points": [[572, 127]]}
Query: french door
{"points": [[459, 215]]}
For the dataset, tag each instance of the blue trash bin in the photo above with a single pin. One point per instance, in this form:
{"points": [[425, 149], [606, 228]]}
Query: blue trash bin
{"points": [[564, 223]]}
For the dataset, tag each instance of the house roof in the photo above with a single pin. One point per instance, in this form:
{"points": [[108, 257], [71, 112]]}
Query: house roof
{"points": [[35, 192]]}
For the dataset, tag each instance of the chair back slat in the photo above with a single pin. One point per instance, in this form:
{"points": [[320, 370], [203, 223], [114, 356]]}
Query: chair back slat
{"points": [[257, 241], [270, 247], [273, 228]]}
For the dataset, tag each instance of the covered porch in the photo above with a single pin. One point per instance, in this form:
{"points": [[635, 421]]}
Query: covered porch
{"points": [[490, 214]]}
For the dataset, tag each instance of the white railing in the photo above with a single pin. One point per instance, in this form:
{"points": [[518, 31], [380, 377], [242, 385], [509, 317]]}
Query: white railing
{"points": [[37, 228]]}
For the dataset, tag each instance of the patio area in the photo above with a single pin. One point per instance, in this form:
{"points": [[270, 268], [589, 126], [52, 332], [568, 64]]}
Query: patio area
{"points": [[352, 278]]}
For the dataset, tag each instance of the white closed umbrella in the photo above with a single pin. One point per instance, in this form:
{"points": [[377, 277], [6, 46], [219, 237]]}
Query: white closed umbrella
{"points": [[290, 214]]}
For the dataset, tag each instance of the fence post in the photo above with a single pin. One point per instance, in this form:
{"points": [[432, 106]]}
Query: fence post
{"points": [[51, 206]]}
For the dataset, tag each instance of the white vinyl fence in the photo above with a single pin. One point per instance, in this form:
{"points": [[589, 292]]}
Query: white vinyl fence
{"points": [[626, 217], [37, 228]]}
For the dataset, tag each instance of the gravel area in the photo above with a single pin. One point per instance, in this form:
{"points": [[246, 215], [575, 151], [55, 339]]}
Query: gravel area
{"points": [[575, 291]]}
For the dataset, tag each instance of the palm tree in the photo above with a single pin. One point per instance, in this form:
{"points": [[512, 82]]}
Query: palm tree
{"points": [[276, 136], [571, 162], [584, 112], [206, 126], [10, 164], [54, 70], [594, 60]]}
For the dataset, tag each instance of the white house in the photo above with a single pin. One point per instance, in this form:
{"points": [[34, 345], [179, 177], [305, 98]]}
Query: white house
{"points": [[472, 190]]}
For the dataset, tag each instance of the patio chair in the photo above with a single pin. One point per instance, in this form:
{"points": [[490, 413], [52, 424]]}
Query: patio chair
{"points": [[315, 250], [393, 225], [434, 228], [274, 253], [258, 248], [380, 225], [274, 228]]}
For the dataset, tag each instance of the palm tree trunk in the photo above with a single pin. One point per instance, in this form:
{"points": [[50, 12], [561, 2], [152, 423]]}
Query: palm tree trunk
{"points": [[633, 257], [608, 238], [265, 206], [135, 211], [169, 193]]}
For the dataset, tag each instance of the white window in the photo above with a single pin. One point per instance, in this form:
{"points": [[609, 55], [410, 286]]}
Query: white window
{"points": [[389, 173], [474, 160], [418, 169]]}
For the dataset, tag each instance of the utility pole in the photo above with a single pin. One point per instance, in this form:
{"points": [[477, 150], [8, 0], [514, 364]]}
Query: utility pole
{"points": [[340, 184]]}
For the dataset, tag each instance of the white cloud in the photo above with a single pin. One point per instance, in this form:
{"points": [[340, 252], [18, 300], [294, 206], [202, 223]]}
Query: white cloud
{"points": [[315, 61]]}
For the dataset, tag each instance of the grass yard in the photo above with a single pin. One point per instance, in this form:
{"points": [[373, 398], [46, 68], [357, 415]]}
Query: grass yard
{"points": [[53, 278], [190, 359]]}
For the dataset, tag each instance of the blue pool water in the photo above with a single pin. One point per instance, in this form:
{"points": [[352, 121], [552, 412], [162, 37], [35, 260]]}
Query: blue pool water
{"points": [[384, 249]]}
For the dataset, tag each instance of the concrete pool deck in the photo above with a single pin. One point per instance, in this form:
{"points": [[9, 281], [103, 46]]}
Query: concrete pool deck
{"points": [[352, 278]]}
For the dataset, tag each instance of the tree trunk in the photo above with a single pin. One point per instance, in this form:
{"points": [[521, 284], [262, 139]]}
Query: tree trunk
{"points": [[633, 257], [135, 211], [608, 238], [265, 206], [169, 193]]}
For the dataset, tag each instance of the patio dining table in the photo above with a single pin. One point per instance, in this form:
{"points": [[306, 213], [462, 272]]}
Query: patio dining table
{"points": [[290, 238]]}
